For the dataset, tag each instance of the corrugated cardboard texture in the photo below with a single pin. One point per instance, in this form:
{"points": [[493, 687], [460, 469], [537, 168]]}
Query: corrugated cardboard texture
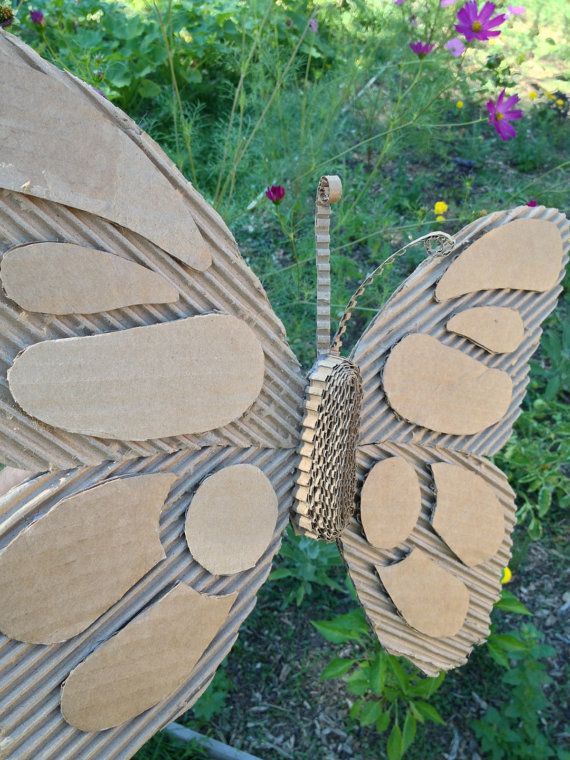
{"points": [[496, 329], [67, 568], [468, 515], [412, 308], [31, 676], [228, 286], [187, 376], [442, 388], [147, 660], [483, 582], [108, 174], [430, 599], [527, 255], [62, 278], [231, 519], [390, 502]]}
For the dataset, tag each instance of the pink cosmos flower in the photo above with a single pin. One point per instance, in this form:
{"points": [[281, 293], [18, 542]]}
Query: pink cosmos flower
{"points": [[37, 18], [455, 47], [421, 49], [502, 112], [516, 10], [313, 25], [475, 24], [532, 203], [275, 193]]}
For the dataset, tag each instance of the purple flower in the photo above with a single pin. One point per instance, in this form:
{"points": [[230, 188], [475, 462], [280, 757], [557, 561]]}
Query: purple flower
{"points": [[475, 24], [502, 112], [447, 3], [399, 2], [532, 203], [37, 17], [6, 16], [421, 49], [455, 47], [516, 10], [313, 25], [275, 193]]}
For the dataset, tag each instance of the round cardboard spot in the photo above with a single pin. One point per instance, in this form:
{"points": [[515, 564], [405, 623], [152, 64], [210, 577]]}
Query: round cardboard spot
{"points": [[231, 519], [390, 502]]}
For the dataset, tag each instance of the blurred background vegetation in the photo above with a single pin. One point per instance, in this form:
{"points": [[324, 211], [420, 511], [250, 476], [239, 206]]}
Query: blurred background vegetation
{"points": [[246, 94]]}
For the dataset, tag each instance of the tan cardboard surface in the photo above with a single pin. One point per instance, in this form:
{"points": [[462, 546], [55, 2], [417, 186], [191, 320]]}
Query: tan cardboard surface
{"points": [[231, 519], [390, 502], [442, 388], [468, 515], [147, 660], [494, 328], [74, 154], [12, 476], [185, 376], [429, 598], [62, 278], [523, 255], [71, 565]]}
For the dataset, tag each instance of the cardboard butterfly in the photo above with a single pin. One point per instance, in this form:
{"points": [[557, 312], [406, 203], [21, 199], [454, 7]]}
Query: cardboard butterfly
{"points": [[149, 386]]}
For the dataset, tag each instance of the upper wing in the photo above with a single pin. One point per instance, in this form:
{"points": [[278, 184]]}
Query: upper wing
{"points": [[423, 380], [444, 368], [108, 256]]}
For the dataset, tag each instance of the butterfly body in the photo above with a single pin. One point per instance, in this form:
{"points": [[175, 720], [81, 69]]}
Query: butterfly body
{"points": [[384, 451]]}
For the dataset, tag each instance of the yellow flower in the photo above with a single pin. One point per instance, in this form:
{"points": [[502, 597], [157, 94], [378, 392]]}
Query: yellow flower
{"points": [[533, 94], [440, 208], [460, 104], [560, 102], [507, 575], [440, 218], [550, 96]]}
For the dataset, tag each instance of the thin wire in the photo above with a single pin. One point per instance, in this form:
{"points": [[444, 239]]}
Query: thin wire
{"points": [[436, 244]]}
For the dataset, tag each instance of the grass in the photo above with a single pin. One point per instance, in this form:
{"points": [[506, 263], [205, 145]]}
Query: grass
{"points": [[244, 95]]}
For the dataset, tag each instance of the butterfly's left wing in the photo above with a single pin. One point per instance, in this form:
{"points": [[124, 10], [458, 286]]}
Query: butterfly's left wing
{"points": [[445, 367], [128, 565]]}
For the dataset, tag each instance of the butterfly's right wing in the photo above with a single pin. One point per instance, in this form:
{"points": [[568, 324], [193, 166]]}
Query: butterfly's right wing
{"points": [[445, 368]]}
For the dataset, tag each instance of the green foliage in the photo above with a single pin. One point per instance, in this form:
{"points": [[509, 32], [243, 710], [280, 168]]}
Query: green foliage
{"points": [[305, 563], [388, 693], [215, 698], [513, 729]]}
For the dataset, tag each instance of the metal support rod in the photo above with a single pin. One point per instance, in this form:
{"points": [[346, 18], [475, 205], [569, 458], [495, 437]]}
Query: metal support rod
{"points": [[217, 750]]}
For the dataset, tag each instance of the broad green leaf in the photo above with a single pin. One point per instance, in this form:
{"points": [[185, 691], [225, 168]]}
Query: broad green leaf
{"points": [[337, 668], [400, 673], [409, 731], [383, 721], [394, 746], [509, 603], [508, 643], [377, 673], [370, 713], [430, 713]]}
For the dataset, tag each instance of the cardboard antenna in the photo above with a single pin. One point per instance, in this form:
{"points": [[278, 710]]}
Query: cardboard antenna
{"points": [[329, 191]]}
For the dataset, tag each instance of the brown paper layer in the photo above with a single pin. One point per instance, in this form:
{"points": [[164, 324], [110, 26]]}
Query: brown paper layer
{"points": [[412, 307], [442, 389], [468, 515], [31, 676], [496, 329], [61, 278], [390, 502], [482, 582], [231, 519], [188, 376], [67, 568], [72, 153], [525, 254], [147, 660], [429, 598]]}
